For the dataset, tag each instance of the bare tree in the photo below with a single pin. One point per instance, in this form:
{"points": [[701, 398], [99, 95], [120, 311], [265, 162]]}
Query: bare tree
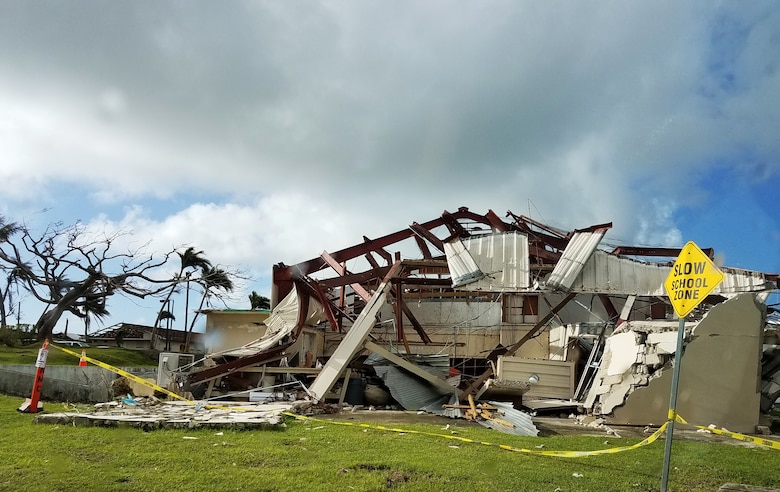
{"points": [[11, 274], [72, 271]]}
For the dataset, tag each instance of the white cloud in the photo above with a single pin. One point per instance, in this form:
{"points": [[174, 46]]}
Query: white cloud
{"points": [[323, 121]]}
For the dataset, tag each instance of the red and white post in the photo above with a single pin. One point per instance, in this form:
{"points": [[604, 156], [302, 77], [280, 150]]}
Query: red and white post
{"points": [[32, 404]]}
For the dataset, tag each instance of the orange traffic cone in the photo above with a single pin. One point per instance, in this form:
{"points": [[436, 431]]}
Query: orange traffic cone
{"points": [[83, 360], [33, 404]]}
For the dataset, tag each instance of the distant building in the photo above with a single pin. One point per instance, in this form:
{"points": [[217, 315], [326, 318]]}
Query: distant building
{"points": [[231, 328], [138, 337]]}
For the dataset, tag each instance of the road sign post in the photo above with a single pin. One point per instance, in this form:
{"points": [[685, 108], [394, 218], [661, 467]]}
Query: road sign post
{"points": [[693, 277]]}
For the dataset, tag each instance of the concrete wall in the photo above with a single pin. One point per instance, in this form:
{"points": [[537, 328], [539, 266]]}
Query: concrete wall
{"points": [[89, 384], [231, 329], [719, 373]]}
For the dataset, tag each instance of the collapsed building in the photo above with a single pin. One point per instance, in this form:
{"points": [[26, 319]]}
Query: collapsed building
{"points": [[468, 307]]}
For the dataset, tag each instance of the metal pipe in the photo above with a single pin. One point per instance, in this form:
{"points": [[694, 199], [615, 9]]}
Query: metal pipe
{"points": [[673, 404]]}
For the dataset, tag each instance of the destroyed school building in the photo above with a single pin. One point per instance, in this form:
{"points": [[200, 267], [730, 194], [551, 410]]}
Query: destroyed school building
{"points": [[511, 309]]}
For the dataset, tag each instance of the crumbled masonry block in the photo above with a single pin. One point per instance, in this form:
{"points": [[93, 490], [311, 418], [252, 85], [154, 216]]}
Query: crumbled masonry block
{"points": [[610, 380], [665, 343], [652, 359], [764, 430], [602, 389], [616, 396], [640, 380], [640, 353]]}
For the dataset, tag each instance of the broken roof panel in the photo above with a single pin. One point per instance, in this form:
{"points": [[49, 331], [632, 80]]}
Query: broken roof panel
{"points": [[607, 273], [463, 268], [738, 280], [412, 392], [281, 322], [522, 424], [575, 256], [503, 258]]}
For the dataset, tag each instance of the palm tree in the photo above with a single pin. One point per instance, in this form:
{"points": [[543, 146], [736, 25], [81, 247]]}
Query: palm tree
{"points": [[92, 307], [168, 317], [213, 280], [190, 259], [259, 302]]}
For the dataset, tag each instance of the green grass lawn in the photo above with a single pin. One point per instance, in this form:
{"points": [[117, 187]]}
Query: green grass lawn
{"points": [[327, 457], [113, 356]]}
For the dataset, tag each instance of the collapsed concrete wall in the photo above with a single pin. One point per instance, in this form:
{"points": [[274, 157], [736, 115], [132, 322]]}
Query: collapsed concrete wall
{"points": [[66, 383], [633, 355], [719, 374]]}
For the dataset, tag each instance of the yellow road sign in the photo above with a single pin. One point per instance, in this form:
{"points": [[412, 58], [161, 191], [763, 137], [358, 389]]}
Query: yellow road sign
{"points": [[692, 278]]}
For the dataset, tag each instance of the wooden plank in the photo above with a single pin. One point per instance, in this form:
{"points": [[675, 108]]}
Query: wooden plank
{"points": [[343, 394], [236, 365]]}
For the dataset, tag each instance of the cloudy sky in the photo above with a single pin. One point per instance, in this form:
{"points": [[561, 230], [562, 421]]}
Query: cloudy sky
{"points": [[263, 132]]}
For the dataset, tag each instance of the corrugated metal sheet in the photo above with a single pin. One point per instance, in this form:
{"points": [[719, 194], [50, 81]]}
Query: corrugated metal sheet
{"points": [[503, 258], [414, 393], [607, 273], [523, 425], [463, 269], [738, 280], [575, 256]]}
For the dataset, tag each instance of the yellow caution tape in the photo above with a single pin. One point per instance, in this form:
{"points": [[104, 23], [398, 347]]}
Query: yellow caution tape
{"points": [[734, 435], [125, 374], [561, 454], [742, 437], [149, 384]]}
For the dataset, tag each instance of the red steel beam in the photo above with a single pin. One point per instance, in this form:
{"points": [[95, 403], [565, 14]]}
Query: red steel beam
{"points": [[663, 252], [426, 234], [426, 252], [285, 272], [413, 320], [359, 290]]}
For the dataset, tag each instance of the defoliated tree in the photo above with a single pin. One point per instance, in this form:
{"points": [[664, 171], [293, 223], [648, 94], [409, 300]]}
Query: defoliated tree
{"points": [[71, 270], [10, 274]]}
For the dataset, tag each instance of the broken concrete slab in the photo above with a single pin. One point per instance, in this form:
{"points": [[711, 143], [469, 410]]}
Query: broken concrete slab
{"points": [[724, 354], [154, 414], [624, 349], [664, 343]]}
